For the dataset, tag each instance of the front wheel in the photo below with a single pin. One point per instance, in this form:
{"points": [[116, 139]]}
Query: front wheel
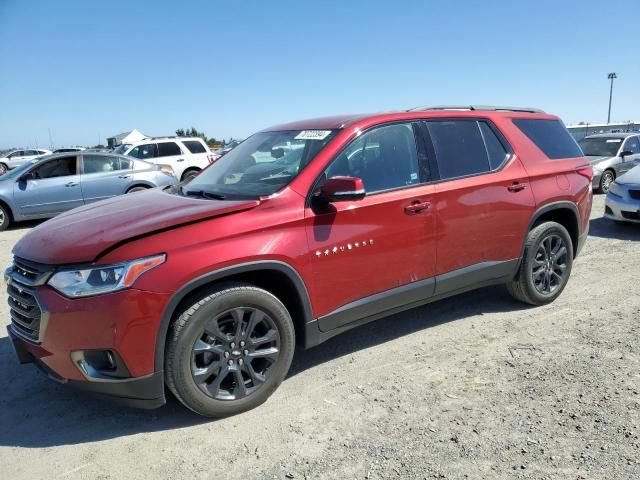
{"points": [[606, 180], [189, 175], [229, 351], [3, 168], [545, 266], [5, 219]]}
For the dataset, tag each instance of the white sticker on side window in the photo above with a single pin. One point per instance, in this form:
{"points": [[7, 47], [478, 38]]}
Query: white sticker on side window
{"points": [[313, 135], [614, 140]]}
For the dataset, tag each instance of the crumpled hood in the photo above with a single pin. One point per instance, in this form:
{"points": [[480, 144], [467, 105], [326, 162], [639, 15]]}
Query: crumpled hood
{"points": [[82, 234], [593, 160]]}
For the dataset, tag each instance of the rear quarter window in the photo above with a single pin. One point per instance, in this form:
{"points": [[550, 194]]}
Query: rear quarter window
{"points": [[194, 146], [550, 136]]}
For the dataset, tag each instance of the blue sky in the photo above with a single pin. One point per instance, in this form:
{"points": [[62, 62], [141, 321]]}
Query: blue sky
{"points": [[86, 70]]}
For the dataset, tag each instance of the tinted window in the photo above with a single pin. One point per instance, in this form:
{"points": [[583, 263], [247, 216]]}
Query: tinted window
{"points": [[30, 153], [495, 148], [459, 148], [19, 153], [100, 163], [125, 164], [384, 158], [194, 146], [148, 151], [60, 167], [168, 149], [40, 152], [550, 136], [632, 145]]}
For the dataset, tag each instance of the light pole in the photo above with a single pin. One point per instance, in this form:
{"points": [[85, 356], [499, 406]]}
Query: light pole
{"points": [[611, 76]]}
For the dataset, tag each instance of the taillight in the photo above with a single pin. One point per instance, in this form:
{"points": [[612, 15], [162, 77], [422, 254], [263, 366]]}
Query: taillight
{"points": [[586, 172], [211, 158]]}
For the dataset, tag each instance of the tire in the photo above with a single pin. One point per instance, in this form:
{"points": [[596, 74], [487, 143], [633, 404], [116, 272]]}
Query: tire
{"points": [[3, 168], [5, 218], [539, 268], [606, 179], [204, 352], [189, 175], [136, 189]]}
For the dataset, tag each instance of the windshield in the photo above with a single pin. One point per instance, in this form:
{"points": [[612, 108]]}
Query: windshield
{"points": [[120, 149], [600, 146], [16, 172], [262, 164]]}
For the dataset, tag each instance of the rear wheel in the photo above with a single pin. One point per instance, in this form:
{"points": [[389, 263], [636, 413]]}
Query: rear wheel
{"points": [[189, 175], [136, 189], [545, 266], [606, 180], [5, 218], [229, 351]]}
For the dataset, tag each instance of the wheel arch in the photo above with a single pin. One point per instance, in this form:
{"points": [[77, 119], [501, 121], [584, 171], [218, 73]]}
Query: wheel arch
{"points": [[565, 213], [187, 170], [139, 183], [276, 277], [8, 208]]}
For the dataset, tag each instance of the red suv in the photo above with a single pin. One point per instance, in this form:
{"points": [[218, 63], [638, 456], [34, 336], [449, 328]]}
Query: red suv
{"points": [[301, 232]]}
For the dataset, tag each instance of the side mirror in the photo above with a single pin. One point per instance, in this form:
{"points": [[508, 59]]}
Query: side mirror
{"points": [[340, 189], [624, 153]]}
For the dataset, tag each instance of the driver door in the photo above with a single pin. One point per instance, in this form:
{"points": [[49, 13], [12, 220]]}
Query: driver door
{"points": [[371, 255], [50, 188]]}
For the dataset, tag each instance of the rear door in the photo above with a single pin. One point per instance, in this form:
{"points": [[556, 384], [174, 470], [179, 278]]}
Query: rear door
{"points": [[170, 153], [104, 176], [483, 202], [365, 253], [54, 187]]}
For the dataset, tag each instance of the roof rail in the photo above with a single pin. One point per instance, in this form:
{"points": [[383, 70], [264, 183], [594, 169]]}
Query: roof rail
{"points": [[490, 108]]}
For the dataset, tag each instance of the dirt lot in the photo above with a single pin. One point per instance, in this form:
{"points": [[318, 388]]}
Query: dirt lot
{"points": [[472, 387]]}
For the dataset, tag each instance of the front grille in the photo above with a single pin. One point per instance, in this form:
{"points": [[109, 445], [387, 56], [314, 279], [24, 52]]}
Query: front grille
{"points": [[27, 315], [631, 215], [635, 194], [24, 310]]}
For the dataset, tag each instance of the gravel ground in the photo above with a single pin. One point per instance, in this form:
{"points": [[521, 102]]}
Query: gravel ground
{"points": [[477, 386]]}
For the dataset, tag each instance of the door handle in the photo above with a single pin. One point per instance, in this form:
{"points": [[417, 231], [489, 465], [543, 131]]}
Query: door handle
{"points": [[124, 176], [417, 207], [180, 160], [72, 184], [517, 187]]}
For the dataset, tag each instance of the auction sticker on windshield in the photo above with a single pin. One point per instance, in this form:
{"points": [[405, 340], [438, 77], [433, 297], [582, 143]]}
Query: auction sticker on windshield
{"points": [[313, 135]]}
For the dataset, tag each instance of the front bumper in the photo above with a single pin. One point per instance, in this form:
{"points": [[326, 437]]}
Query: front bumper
{"points": [[622, 209], [124, 323]]}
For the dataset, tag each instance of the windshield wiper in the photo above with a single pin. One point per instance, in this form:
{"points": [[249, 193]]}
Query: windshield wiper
{"points": [[203, 194]]}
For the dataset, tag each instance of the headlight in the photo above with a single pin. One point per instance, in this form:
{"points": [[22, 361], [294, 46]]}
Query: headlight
{"points": [[103, 279], [615, 189]]}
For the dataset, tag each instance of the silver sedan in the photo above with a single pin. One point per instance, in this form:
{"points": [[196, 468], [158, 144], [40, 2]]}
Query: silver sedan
{"points": [[623, 199], [53, 184]]}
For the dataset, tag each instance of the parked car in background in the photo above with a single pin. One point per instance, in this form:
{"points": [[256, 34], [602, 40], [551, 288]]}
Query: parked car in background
{"points": [[227, 148], [15, 158], [623, 198], [208, 287], [50, 185], [610, 155], [186, 155], [68, 149]]}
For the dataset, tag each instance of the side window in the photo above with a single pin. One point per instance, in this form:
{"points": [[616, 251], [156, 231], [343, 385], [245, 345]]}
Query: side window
{"points": [[19, 153], [168, 149], [194, 146], [459, 148], [148, 151], [550, 136], [135, 152], [125, 163], [495, 148], [384, 158], [60, 167], [633, 145], [100, 164], [40, 152], [30, 153]]}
